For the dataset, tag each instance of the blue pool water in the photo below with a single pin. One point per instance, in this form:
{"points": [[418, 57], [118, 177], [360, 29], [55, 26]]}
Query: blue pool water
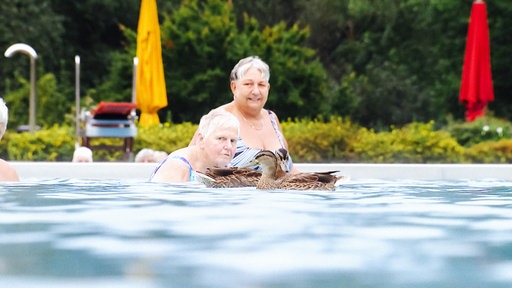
{"points": [[367, 233]]}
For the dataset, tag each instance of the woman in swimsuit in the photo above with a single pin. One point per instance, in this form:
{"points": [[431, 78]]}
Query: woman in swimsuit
{"points": [[259, 128], [215, 147]]}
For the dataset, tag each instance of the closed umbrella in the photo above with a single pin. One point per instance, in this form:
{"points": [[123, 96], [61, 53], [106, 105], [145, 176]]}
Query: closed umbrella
{"points": [[150, 85], [476, 88]]}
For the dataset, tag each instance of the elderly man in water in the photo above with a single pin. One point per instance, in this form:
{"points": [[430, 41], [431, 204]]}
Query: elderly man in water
{"points": [[7, 173]]}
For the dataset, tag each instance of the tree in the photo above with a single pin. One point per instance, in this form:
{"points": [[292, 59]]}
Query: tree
{"points": [[35, 24], [93, 32], [380, 62], [202, 43], [500, 29]]}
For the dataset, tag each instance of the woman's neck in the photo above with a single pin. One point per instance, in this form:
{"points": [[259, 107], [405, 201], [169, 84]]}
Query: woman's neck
{"points": [[250, 113], [254, 121]]}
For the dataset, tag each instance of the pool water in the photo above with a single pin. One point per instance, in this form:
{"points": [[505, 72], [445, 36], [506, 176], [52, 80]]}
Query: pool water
{"points": [[367, 233]]}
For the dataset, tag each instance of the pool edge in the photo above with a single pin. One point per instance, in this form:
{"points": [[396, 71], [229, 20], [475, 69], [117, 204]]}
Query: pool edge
{"points": [[142, 171]]}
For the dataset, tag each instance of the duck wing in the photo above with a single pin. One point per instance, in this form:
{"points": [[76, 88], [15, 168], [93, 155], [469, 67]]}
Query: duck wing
{"points": [[310, 181], [231, 177]]}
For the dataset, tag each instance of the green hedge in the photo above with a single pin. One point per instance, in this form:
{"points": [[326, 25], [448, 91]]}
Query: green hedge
{"points": [[51, 144], [483, 129], [318, 140], [491, 152], [414, 143]]}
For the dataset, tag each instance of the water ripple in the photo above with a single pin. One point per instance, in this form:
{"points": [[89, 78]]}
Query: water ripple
{"points": [[366, 233]]}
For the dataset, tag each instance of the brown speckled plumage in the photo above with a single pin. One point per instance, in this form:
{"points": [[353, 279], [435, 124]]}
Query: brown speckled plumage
{"points": [[301, 181], [238, 177]]}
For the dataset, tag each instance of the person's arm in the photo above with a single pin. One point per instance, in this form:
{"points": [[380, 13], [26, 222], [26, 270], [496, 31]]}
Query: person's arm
{"points": [[294, 169], [172, 171], [7, 172]]}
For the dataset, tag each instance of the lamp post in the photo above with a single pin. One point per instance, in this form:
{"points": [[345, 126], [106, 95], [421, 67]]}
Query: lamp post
{"points": [[25, 49]]}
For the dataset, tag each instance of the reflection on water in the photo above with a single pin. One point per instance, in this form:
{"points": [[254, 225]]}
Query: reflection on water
{"points": [[367, 233]]}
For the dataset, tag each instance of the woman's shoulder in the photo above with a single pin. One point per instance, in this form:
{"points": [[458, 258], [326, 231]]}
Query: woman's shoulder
{"points": [[273, 117], [228, 107], [270, 112]]}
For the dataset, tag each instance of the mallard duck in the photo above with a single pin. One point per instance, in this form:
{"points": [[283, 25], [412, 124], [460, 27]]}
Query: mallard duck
{"points": [[239, 176], [301, 181]]}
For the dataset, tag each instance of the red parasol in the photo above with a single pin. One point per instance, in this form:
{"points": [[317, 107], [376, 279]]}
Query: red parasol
{"points": [[476, 88]]}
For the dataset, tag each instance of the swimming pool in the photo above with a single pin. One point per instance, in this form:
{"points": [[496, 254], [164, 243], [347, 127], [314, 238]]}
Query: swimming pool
{"points": [[367, 233]]}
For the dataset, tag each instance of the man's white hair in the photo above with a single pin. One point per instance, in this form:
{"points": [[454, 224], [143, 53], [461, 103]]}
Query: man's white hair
{"points": [[215, 119], [82, 154], [4, 117]]}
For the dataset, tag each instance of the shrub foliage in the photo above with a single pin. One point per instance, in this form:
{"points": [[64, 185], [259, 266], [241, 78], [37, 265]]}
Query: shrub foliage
{"points": [[334, 140]]}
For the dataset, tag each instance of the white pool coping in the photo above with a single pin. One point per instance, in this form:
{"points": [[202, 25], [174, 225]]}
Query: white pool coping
{"points": [[141, 171]]}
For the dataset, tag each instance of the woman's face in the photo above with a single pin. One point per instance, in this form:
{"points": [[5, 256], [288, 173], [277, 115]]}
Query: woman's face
{"points": [[220, 146], [252, 89]]}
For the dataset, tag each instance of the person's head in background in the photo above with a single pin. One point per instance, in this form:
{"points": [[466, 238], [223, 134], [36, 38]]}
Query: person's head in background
{"points": [[4, 117], [160, 156], [82, 154], [145, 155]]}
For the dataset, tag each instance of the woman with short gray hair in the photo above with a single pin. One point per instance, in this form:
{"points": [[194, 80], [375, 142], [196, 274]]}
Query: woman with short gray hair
{"points": [[260, 128]]}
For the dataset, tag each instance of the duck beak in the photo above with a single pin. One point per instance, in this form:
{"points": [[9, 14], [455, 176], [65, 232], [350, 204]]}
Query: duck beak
{"points": [[282, 157], [284, 167]]}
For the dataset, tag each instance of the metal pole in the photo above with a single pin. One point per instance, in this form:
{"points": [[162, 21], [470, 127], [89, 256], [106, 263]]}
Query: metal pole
{"points": [[134, 82], [32, 105], [25, 49], [134, 79], [77, 100]]}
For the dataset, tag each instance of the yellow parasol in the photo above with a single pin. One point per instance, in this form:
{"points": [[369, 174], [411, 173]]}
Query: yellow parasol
{"points": [[150, 84]]}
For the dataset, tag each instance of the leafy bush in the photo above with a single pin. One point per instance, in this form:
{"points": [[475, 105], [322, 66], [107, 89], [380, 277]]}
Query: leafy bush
{"points": [[335, 140], [51, 103], [58, 143], [414, 143], [166, 137], [482, 129], [319, 141], [52, 144], [491, 152], [202, 41]]}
